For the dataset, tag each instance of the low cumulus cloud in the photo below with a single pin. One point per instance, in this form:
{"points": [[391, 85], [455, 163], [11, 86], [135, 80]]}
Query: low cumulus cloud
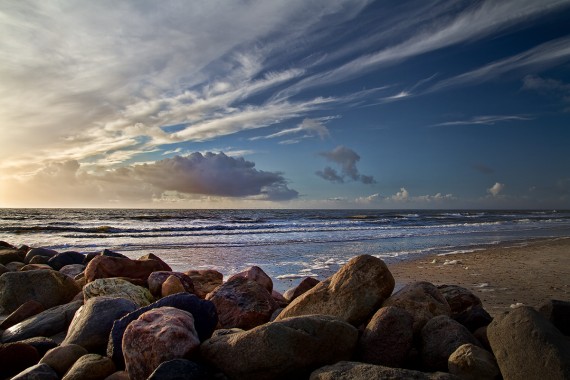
{"points": [[404, 196], [346, 158], [496, 189], [209, 174]]}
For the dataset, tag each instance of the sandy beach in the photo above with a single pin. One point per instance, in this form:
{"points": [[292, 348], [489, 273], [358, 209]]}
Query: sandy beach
{"points": [[527, 273]]}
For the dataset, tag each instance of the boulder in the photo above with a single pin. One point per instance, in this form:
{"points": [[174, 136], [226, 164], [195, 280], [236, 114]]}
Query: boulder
{"points": [[61, 358], [466, 307], [151, 256], [14, 266], [470, 362], [116, 287], [90, 367], [352, 294], [16, 357], [72, 270], [156, 336], [47, 323], [105, 252], [119, 375], [35, 266], [48, 287], [306, 284], [172, 285], [388, 337], [39, 252], [242, 303], [205, 281], [37, 372], [289, 349], [558, 313], [422, 300], [359, 371], [27, 310], [7, 255], [527, 346], [204, 313], [3, 269], [65, 258], [106, 267], [180, 369], [157, 279], [441, 336], [481, 335], [93, 322], [41, 344], [256, 274], [278, 297], [39, 259]]}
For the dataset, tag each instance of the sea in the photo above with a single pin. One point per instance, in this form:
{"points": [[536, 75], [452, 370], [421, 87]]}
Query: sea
{"points": [[287, 244]]}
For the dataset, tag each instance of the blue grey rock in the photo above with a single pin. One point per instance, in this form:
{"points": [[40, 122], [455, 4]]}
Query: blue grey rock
{"points": [[65, 258]]}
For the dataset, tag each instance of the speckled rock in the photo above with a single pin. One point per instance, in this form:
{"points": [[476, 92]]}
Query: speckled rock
{"points": [[205, 281], [352, 294], [72, 270], [116, 287], [107, 267], [256, 274], [242, 303], [360, 371], [470, 362], [156, 336]]}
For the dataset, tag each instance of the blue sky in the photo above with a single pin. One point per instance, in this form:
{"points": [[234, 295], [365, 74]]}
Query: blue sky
{"points": [[321, 104]]}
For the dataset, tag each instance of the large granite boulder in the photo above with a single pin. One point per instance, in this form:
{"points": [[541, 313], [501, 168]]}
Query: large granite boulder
{"points": [[256, 274], [422, 300], [16, 357], [466, 307], [204, 313], [352, 294], [61, 358], [90, 367], [289, 349], [27, 310], [242, 303], [527, 346], [388, 337], [205, 281], [157, 279], [48, 287], [37, 372], [441, 336], [119, 288], [306, 284], [47, 323], [65, 258], [93, 322], [138, 270], [359, 371], [558, 313], [470, 362], [158, 335]]}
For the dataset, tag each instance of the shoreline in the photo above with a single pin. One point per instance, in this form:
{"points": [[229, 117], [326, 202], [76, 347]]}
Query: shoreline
{"points": [[528, 272]]}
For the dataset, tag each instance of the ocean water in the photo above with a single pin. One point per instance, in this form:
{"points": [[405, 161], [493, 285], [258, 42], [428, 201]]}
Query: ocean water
{"points": [[287, 244]]}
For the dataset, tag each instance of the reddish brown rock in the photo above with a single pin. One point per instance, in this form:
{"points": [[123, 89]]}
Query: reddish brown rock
{"points": [[466, 307], [28, 309], [352, 294], [256, 274], [422, 300], [306, 284], [106, 267], [156, 280], [156, 336], [16, 357], [61, 358], [9, 254], [278, 297], [388, 337], [205, 281], [242, 303], [163, 266]]}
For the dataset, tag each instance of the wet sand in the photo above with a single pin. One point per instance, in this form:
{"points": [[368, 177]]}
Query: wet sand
{"points": [[527, 273]]}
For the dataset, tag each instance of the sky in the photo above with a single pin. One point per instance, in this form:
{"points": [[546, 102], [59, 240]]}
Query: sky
{"points": [[285, 104]]}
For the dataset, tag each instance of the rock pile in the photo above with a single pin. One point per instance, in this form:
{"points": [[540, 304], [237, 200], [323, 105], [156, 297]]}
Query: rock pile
{"points": [[119, 319]]}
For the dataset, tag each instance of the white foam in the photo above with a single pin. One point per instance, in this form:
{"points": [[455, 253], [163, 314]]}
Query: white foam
{"points": [[296, 275]]}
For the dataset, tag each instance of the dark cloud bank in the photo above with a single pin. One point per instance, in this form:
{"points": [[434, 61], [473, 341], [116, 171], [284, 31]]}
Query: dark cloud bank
{"points": [[346, 158]]}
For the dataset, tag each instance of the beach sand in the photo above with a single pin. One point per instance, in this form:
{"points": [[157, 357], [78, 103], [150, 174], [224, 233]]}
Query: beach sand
{"points": [[528, 273]]}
